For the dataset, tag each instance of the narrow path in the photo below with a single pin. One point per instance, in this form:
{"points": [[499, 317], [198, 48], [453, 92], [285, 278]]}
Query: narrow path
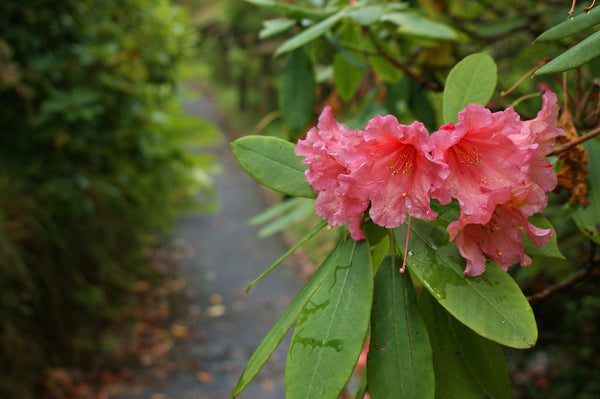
{"points": [[225, 324]]}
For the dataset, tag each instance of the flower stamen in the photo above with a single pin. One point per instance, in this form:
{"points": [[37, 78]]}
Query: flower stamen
{"points": [[468, 155]]}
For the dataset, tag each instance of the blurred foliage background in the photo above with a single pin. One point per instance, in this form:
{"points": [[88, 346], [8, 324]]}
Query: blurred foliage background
{"points": [[93, 169]]}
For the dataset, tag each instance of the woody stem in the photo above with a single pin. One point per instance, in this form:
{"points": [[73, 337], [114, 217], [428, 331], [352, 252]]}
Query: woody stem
{"points": [[573, 143]]}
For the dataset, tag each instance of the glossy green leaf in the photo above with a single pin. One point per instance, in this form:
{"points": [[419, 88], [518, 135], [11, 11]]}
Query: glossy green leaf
{"points": [[569, 27], [588, 218], [485, 359], [285, 321], [297, 92], [331, 330], [411, 23], [273, 27], [399, 363], [472, 80], [578, 55], [549, 250], [491, 304], [347, 76], [309, 34], [453, 378], [271, 161], [290, 10]]}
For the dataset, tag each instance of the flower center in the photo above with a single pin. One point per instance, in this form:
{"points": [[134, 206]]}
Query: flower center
{"points": [[467, 154], [402, 161]]}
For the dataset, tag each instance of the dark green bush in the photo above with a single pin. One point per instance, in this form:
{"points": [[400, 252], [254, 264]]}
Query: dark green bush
{"points": [[91, 167]]}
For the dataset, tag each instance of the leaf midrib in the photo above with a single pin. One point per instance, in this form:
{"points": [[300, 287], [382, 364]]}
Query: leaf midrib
{"points": [[507, 318], [337, 304]]}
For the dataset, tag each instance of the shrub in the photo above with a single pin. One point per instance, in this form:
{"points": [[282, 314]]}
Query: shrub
{"points": [[91, 167]]}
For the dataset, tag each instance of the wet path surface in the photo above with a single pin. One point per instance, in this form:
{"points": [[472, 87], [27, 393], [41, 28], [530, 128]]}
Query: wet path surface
{"points": [[225, 325]]}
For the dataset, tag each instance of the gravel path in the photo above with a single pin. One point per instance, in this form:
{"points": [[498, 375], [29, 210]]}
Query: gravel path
{"points": [[225, 324]]}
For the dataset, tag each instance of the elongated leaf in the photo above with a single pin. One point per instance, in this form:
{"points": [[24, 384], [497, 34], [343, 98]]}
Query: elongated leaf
{"points": [[411, 23], [304, 209], [297, 93], [330, 332], [588, 219], [275, 211], [367, 15], [453, 378], [580, 22], [282, 325], [309, 34], [273, 27], [290, 10], [271, 161], [485, 359], [347, 76], [400, 362], [300, 242], [576, 56], [491, 304], [472, 80]]}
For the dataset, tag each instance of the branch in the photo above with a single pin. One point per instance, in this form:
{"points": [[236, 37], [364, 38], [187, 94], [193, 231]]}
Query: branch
{"points": [[383, 53], [573, 143], [571, 281]]}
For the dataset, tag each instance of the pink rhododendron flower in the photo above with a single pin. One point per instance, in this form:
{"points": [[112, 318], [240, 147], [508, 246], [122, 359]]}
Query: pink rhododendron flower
{"points": [[482, 159], [539, 136], [325, 166], [499, 237], [398, 171]]}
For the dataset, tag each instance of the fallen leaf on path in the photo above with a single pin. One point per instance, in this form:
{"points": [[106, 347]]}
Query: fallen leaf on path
{"points": [[203, 377]]}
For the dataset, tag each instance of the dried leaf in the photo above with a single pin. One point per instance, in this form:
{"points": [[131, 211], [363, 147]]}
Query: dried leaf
{"points": [[574, 173]]}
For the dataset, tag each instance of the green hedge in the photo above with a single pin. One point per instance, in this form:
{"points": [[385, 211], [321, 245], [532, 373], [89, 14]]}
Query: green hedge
{"points": [[91, 167]]}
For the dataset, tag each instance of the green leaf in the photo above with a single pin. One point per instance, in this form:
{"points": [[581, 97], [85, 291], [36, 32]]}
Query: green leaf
{"points": [[305, 208], [383, 67], [273, 27], [491, 304], [414, 24], [588, 218], [485, 359], [367, 15], [582, 53], [301, 241], [297, 92], [276, 334], [549, 250], [472, 80], [453, 379], [580, 22], [346, 76], [309, 34], [400, 361], [331, 330], [292, 11], [271, 161]]}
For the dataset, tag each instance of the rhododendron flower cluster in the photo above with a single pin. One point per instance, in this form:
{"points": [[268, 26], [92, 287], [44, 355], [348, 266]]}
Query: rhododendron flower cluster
{"points": [[492, 163]]}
